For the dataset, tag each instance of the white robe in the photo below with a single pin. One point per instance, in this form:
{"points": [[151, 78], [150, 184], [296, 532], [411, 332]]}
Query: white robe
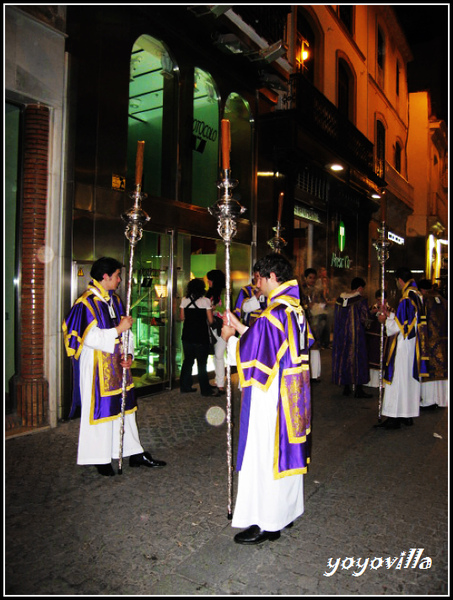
{"points": [[99, 443], [262, 500], [315, 364], [434, 392], [402, 396]]}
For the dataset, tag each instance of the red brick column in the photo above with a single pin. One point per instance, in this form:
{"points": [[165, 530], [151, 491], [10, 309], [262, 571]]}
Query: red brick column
{"points": [[32, 393]]}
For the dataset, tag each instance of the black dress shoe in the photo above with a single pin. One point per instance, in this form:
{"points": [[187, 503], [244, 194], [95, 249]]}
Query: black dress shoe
{"points": [[347, 390], [407, 421], [255, 535], [145, 460], [106, 470], [189, 391], [360, 393], [390, 423]]}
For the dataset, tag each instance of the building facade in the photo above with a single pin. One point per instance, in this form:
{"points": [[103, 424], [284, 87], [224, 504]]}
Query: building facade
{"points": [[428, 224], [304, 88]]}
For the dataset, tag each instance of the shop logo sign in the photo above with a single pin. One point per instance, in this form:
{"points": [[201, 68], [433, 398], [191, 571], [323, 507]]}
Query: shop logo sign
{"points": [[340, 262], [202, 133]]}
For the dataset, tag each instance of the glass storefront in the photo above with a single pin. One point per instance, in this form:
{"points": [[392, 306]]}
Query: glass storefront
{"points": [[151, 292], [165, 262], [159, 284]]}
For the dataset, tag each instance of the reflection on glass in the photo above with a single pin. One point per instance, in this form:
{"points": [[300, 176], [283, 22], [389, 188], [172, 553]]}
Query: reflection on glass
{"points": [[150, 311], [195, 257]]}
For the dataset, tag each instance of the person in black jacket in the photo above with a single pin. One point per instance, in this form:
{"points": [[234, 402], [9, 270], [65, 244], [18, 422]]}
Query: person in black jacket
{"points": [[196, 313]]}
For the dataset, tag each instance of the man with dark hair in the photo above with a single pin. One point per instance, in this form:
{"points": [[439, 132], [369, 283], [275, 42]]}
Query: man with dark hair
{"points": [[275, 420], [407, 361], [250, 302], [349, 349], [93, 340]]}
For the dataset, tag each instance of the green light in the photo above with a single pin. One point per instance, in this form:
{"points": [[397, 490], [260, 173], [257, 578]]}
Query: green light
{"points": [[341, 236]]}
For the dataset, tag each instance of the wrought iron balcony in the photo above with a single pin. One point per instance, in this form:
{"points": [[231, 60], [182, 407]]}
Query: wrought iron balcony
{"points": [[322, 119]]}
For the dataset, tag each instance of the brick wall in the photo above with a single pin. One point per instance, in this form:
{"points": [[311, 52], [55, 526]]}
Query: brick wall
{"points": [[31, 388]]}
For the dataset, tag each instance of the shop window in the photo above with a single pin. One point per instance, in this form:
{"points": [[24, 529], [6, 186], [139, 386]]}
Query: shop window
{"points": [[238, 113], [205, 140], [195, 257], [152, 77], [150, 309]]}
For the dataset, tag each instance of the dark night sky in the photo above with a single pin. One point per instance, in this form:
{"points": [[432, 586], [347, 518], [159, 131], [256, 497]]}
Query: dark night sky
{"points": [[427, 29]]}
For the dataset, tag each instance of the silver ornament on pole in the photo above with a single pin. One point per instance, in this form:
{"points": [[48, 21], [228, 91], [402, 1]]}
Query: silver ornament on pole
{"points": [[227, 210], [382, 246], [277, 243], [135, 218]]}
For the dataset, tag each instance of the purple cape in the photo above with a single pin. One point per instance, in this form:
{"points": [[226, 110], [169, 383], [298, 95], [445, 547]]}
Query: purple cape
{"points": [[90, 311], [277, 345]]}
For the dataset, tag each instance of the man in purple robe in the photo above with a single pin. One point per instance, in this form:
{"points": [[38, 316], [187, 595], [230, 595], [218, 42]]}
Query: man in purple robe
{"points": [[407, 361], [92, 337], [275, 421], [249, 302], [349, 349]]}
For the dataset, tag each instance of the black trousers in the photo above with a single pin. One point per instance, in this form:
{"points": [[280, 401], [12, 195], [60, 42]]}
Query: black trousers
{"points": [[192, 353]]}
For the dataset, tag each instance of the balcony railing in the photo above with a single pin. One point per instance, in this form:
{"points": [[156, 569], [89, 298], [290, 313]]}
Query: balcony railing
{"points": [[316, 114], [398, 186]]}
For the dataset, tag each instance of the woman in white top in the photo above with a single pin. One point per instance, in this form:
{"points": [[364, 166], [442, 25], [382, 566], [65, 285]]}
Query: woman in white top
{"points": [[196, 313]]}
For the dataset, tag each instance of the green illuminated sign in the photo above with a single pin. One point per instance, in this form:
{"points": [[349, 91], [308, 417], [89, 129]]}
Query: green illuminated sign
{"points": [[341, 236]]}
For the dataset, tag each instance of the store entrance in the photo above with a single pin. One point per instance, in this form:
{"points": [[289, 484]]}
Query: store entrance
{"points": [[164, 263]]}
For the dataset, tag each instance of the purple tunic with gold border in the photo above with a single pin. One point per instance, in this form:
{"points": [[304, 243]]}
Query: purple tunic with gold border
{"points": [[102, 309], [411, 320], [277, 345]]}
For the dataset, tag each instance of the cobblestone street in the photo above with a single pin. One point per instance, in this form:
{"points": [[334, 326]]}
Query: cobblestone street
{"points": [[373, 500]]}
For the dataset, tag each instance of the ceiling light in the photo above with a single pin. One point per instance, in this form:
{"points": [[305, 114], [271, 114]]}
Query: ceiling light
{"points": [[336, 167]]}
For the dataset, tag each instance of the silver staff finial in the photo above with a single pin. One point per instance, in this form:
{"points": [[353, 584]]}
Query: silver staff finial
{"points": [[277, 243]]}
